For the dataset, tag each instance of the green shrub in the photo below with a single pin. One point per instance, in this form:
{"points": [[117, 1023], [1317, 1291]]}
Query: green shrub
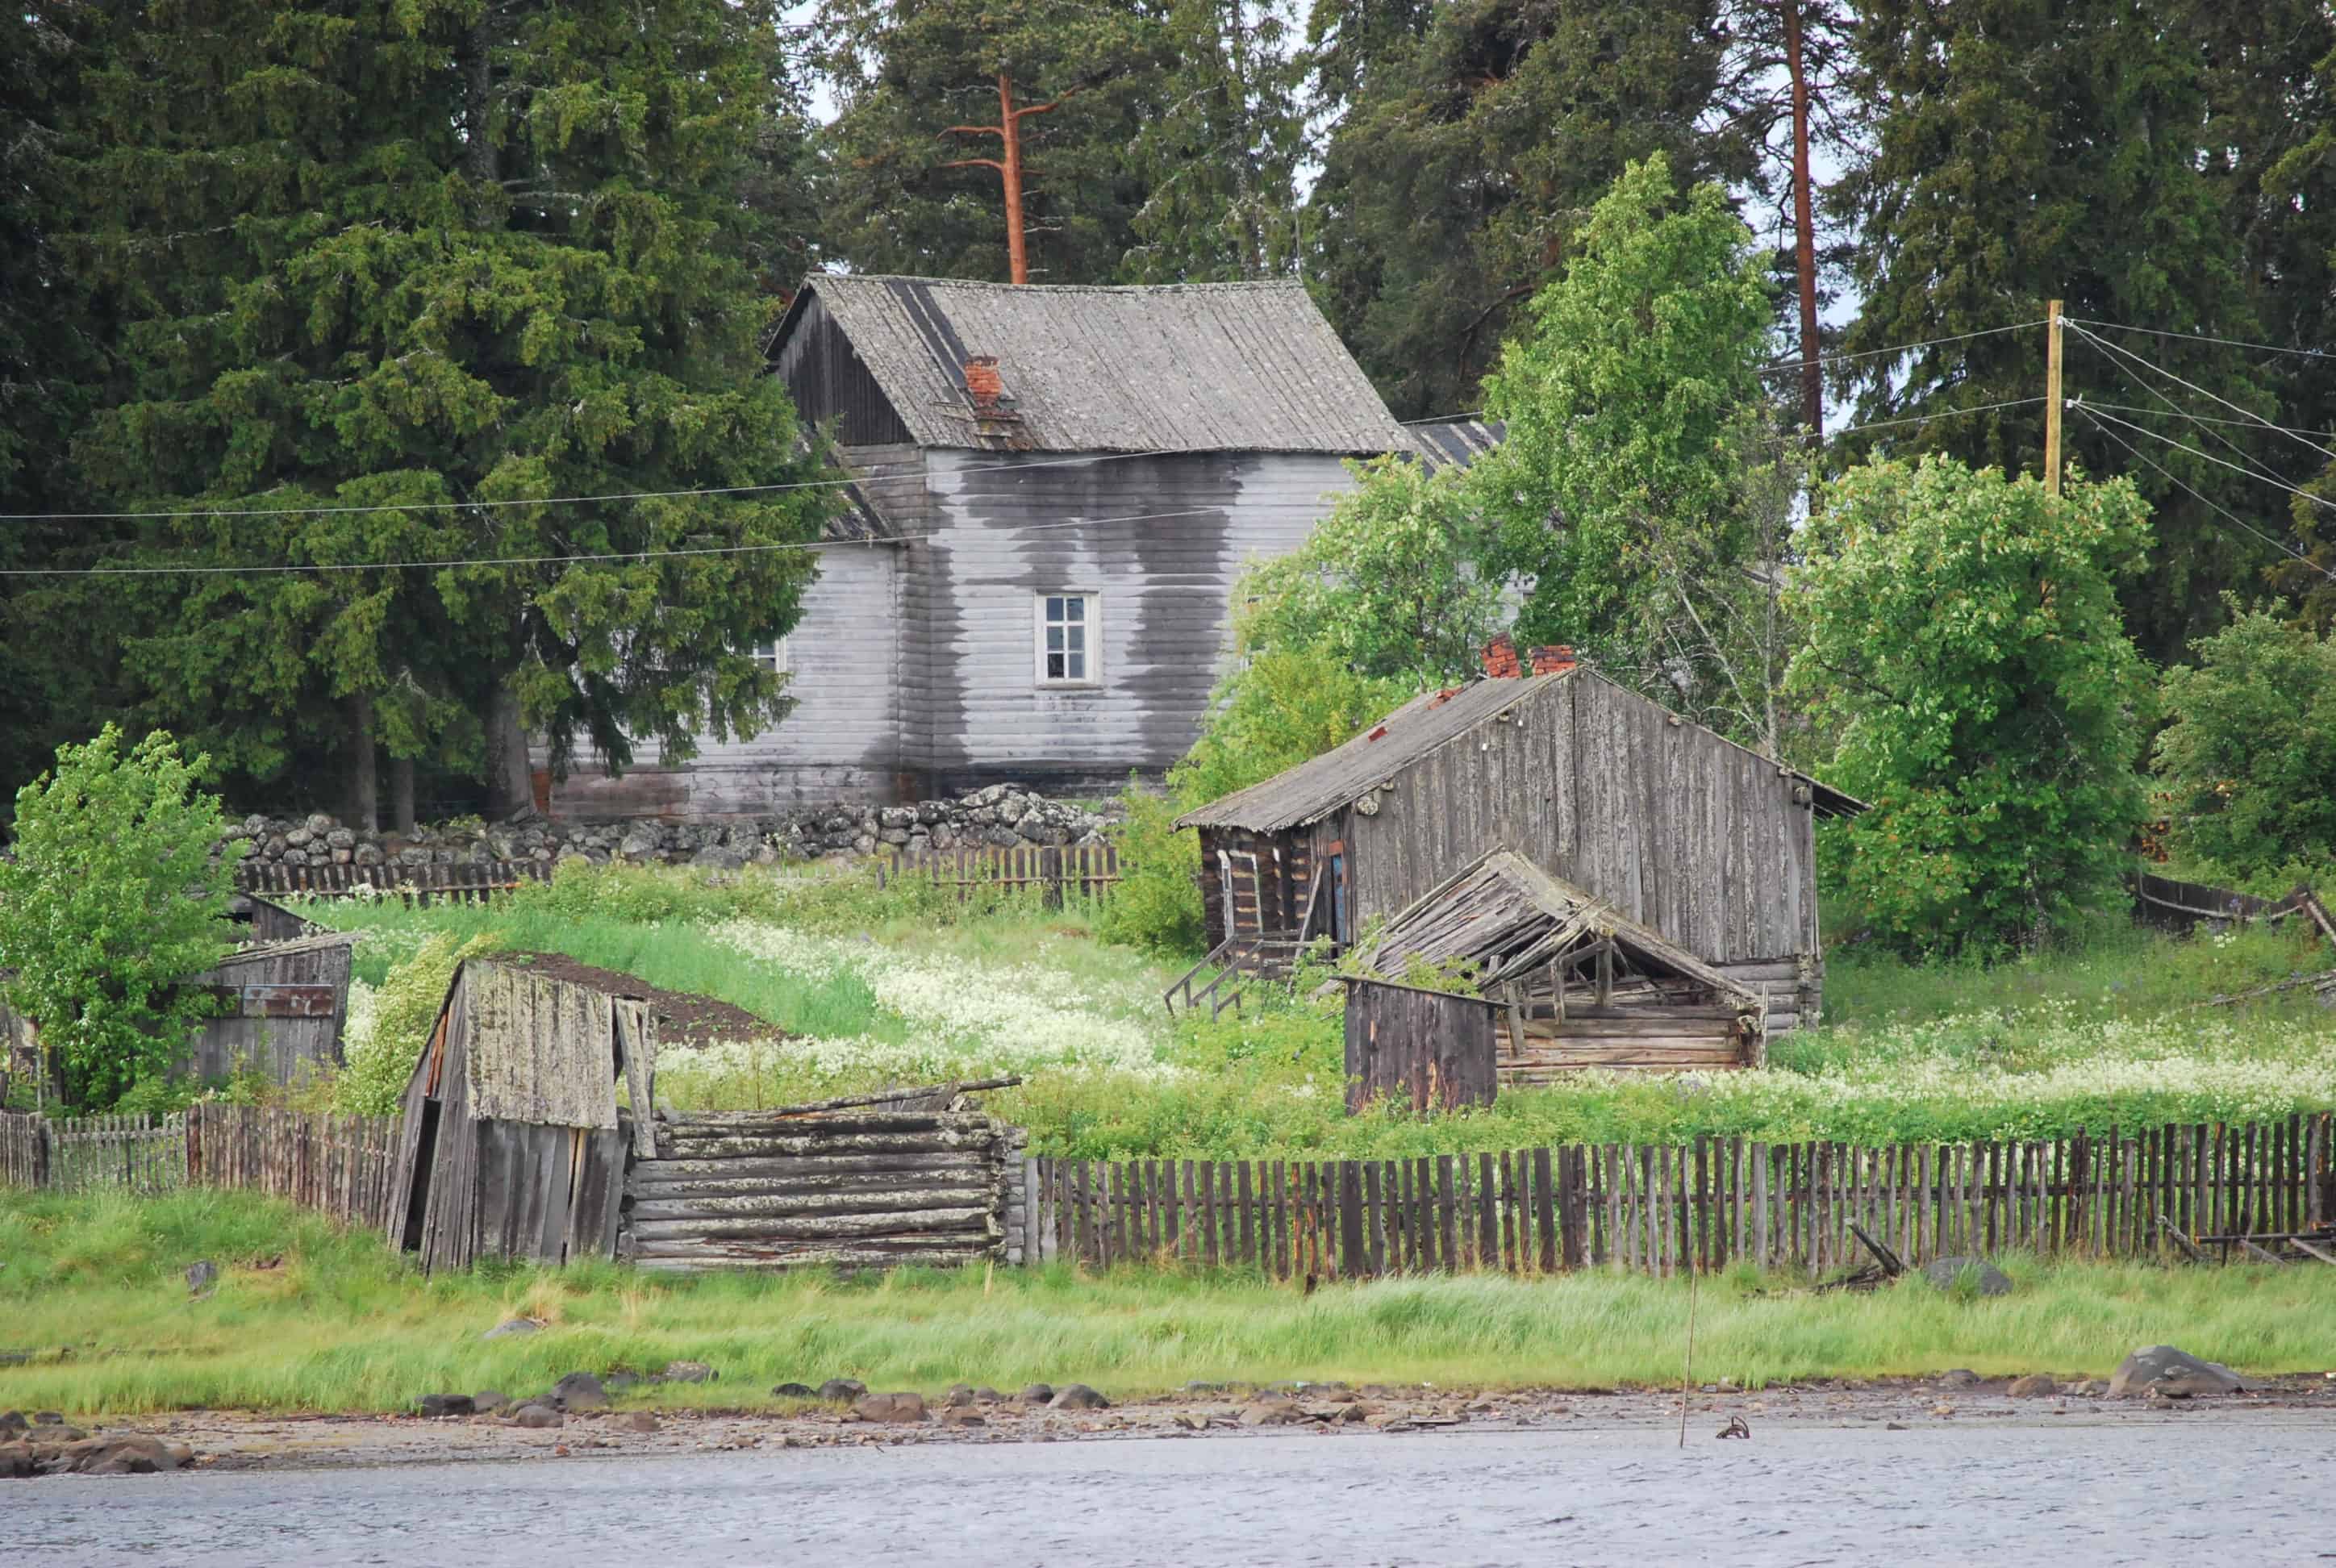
{"points": [[2249, 760], [1156, 906], [113, 899], [380, 1052]]}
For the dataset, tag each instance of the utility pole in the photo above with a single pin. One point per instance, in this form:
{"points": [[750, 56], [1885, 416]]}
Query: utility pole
{"points": [[1009, 164], [2052, 399]]}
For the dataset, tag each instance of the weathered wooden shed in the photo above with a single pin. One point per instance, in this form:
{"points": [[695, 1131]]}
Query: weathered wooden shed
{"points": [[513, 1143], [282, 1008], [1559, 980], [1706, 843]]}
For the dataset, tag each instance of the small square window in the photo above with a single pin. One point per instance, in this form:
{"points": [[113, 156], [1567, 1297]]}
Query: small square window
{"points": [[771, 654], [1067, 627]]}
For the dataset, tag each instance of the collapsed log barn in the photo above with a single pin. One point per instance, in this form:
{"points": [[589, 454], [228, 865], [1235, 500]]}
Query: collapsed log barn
{"points": [[512, 1144], [1703, 842], [1556, 980]]}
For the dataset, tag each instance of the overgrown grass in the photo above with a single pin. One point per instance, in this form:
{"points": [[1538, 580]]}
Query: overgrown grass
{"points": [[339, 1324]]}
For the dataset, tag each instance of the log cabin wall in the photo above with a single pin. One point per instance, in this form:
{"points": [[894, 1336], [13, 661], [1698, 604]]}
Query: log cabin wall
{"points": [[863, 1187], [1700, 838], [283, 1005], [1271, 874]]}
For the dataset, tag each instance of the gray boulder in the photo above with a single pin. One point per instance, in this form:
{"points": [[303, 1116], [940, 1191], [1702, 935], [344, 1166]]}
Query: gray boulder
{"points": [[1077, 1396], [686, 1372], [1942, 1272], [900, 1408], [486, 1401], [448, 1404], [793, 1391], [510, 1327], [841, 1390], [1037, 1393], [201, 1277], [2172, 1374], [579, 1391], [537, 1417]]}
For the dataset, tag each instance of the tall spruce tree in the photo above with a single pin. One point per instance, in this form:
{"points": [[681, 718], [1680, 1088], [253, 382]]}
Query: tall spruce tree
{"points": [[2115, 159], [1220, 163], [918, 175], [1474, 141], [393, 278]]}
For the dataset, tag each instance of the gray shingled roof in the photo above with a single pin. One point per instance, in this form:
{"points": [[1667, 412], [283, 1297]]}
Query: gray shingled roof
{"points": [[1178, 367], [1314, 789], [1457, 441]]}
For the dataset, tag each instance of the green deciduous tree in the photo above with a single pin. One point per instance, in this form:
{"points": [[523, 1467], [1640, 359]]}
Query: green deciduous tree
{"points": [[1963, 643], [1472, 139], [2250, 756], [1637, 496], [113, 898], [1388, 584]]}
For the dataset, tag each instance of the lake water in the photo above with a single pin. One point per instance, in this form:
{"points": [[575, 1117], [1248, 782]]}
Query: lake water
{"points": [[2198, 1490]]}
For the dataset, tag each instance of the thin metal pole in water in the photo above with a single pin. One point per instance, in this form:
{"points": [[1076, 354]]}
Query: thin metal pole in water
{"points": [[1687, 1373]]}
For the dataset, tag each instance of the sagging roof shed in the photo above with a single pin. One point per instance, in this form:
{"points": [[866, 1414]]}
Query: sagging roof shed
{"points": [[1507, 917], [1340, 777], [1180, 368]]}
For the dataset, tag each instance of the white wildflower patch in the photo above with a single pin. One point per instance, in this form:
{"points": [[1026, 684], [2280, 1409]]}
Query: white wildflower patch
{"points": [[960, 1018]]}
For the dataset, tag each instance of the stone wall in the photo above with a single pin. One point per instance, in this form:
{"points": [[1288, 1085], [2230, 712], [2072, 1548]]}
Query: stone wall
{"points": [[1002, 816]]}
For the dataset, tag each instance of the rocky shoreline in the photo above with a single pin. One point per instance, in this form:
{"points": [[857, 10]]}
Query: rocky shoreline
{"points": [[226, 1441], [1001, 817]]}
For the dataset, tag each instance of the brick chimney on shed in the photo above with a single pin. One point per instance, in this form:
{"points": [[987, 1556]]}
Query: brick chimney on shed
{"points": [[1501, 658], [1551, 660]]}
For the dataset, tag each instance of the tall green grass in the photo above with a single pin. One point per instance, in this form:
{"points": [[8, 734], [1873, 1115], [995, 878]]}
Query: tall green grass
{"points": [[340, 1324]]}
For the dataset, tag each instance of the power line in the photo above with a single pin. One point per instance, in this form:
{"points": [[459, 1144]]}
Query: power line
{"points": [[2254, 463], [1823, 360], [2204, 337], [1910, 419], [2210, 457], [540, 500], [2280, 545], [2193, 386], [2209, 418], [567, 559]]}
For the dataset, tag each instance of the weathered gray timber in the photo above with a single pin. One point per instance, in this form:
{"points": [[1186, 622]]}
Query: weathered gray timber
{"points": [[1430, 1050], [920, 1177], [512, 1144], [1143, 445], [1571, 982], [282, 1005], [1691, 836]]}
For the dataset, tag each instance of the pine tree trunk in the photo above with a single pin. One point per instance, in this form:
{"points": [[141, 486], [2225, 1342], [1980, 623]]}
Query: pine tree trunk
{"points": [[362, 810], [401, 793], [1805, 246], [1017, 257]]}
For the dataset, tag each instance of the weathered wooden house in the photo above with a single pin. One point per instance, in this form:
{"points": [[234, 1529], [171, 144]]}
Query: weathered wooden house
{"points": [[1550, 979], [1693, 837], [512, 1143], [1056, 489]]}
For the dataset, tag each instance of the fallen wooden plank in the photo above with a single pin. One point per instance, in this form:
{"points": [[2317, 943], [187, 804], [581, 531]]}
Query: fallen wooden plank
{"points": [[2301, 1245]]}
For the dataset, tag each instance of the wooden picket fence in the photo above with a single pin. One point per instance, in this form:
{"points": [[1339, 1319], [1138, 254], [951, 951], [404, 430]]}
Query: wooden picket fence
{"points": [[1700, 1206], [471, 881], [341, 1166], [1085, 870], [135, 1154]]}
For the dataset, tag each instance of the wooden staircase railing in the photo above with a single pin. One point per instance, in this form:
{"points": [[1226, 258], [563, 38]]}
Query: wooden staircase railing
{"points": [[1238, 959]]}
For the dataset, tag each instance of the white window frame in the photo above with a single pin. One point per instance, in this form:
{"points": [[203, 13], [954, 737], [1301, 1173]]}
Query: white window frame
{"points": [[772, 654], [1091, 619]]}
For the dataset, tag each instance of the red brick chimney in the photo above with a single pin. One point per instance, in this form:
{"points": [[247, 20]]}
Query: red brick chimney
{"points": [[982, 382], [1550, 660], [1501, 658]]}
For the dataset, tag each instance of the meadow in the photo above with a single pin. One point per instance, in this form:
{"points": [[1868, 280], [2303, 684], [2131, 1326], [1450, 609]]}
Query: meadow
{"points": [[309, 1318], [867, 987]]}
